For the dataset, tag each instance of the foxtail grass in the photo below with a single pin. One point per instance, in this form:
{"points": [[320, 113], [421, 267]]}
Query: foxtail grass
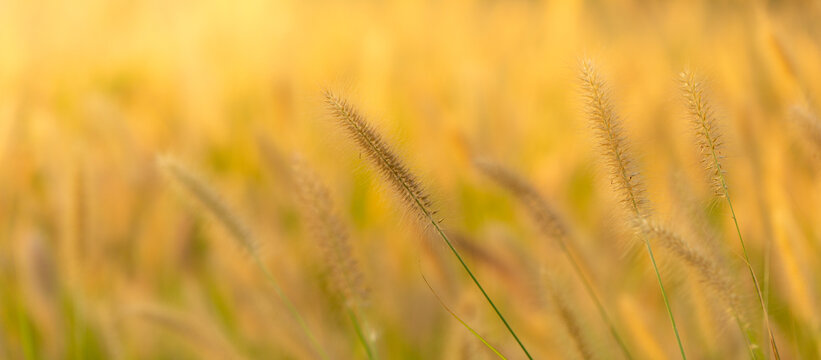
{"points": [[568, 317], [708, 272], [329, 231], [460, 320], [624, 174], [710, 145], [403, 181], [547, 218], [203, 193]]}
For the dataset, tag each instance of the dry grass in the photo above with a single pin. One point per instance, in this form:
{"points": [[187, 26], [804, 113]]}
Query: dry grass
{"points": [[625, 177], [612, 187]]}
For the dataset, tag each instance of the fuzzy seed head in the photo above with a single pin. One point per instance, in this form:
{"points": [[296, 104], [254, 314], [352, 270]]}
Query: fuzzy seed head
{"points": [[616, 149], [538, 207], [704, 124], [330, 232], [708, 271], [568, 315], [389, 165], [200, 190]]}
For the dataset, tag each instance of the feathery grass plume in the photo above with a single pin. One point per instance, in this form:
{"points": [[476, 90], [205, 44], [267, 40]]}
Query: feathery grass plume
{"points": [[708, 271], [389, 165], [709, 138], [545, 216], [208, 197], [703, 119], [329, 230], [604, 119], [573, 327], [568, 316], [401, 178], [549, 222], [624, 175]]}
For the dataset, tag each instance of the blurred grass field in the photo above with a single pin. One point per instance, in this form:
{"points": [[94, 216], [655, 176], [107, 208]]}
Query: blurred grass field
{"points": [[102, 258]]}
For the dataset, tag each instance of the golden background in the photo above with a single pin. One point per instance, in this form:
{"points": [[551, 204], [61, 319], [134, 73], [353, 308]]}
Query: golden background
{"points": [[100, 256]]}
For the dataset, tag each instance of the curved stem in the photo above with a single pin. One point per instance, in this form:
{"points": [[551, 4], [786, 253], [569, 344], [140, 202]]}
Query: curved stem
{"points": [[359, 334], [475, 281], [428, 216], [452, 313], [752, 272], [726, 192], [591, 292], [291, 308], [664, 295]]}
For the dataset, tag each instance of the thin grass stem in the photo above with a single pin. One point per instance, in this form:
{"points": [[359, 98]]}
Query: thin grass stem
{"points": [[403, 181], [359, 334], [549, 222], [459, 319], [704, 120], [624, 175], [291, 308], [209, 198]]}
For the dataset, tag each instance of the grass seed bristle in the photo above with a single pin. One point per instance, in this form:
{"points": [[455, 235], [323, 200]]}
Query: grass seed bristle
{"points": [[383, 157], [210, 199], [704, 124], [330, 232], [404, 182], [540, 210], [624, 176]]}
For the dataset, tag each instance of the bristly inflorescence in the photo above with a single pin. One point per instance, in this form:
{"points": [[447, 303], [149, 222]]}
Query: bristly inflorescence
{"points": [[549, 221], [569, 317], [542, 212], [704, 121], [388, 164], [209, 198], [403, 181], [616, 148], [708, 271], [329, 230], [704, 124]]}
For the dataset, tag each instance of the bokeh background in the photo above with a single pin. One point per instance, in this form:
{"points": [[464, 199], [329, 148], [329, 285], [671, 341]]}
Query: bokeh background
{"points": [[101, 258]]}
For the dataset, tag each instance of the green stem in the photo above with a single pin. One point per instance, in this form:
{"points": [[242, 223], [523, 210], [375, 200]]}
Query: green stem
{"points": [[26, 336], [393, 172], [748, 337], [475, 281], [726, 191], [664, 295], [291, 308], [452, 313], [359, 334], [626, 179], [589, 287], [638, 214], [750, 267]]}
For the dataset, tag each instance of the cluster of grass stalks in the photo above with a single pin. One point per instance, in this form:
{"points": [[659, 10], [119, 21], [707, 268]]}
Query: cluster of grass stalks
{"points": [[475, 192]]}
